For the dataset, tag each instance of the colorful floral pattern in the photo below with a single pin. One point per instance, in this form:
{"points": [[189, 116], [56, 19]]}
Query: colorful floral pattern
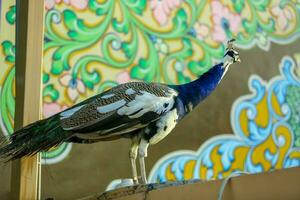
{"points": [[224, 22], [162, 9], [76, 4], [93, 45], [74, 86], [284, 16], [266, 134], [51, 3]]}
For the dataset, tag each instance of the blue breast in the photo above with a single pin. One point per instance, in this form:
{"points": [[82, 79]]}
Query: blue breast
{"points": [[191, 94]]}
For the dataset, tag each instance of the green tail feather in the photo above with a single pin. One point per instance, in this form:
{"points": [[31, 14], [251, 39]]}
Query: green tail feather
{"points": [[36, 137]]}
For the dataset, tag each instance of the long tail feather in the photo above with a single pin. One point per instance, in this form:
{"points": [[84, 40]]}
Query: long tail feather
{"points": [[36, 137]]}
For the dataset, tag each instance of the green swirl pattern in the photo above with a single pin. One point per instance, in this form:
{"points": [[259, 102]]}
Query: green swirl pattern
{"points": [[90, 47]]}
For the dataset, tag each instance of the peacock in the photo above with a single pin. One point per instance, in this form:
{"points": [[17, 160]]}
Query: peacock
{"points": [[143, 112]]}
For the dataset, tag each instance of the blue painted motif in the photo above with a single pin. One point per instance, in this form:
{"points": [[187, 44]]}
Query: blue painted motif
{"points": [[260, 147]]}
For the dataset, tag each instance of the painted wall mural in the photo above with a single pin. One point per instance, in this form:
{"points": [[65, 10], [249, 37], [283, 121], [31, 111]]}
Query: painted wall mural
{"points": [[92, 45], [266, 134], [7, 64]]}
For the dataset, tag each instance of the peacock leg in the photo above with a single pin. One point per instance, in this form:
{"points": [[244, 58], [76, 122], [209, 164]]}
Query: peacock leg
{"points": [[143, 146], [133, 155]]}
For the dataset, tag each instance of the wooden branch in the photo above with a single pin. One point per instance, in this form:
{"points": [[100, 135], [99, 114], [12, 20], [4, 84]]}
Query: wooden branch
{"points": [[29, 52]]}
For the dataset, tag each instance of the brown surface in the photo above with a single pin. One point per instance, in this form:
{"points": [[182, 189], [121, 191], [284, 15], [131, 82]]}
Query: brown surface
{"points": [[263, 186], [29, 45]]}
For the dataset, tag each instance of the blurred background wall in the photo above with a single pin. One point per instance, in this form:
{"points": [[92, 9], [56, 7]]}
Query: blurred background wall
{"points": [[250, 123]]}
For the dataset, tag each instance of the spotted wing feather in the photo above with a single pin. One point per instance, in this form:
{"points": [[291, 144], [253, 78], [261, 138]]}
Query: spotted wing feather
{"points": [[120, 110]]}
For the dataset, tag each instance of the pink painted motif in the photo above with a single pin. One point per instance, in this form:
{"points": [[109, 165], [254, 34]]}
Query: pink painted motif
{"points": [[223, 20], [162, 9], [74, 86]]}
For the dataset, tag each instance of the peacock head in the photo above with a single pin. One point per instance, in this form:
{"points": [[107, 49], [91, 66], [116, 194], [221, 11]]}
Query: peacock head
{"points": [[231, 56]]}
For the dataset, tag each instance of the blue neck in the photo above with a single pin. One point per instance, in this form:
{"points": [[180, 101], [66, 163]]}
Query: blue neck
{"points": [[190, 94]]}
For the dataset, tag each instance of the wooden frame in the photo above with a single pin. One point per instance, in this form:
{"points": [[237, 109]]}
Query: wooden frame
{"points": [[29, 53]]}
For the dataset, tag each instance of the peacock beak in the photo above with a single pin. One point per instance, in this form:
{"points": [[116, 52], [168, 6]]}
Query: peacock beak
{"points": [[238, 60]]}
